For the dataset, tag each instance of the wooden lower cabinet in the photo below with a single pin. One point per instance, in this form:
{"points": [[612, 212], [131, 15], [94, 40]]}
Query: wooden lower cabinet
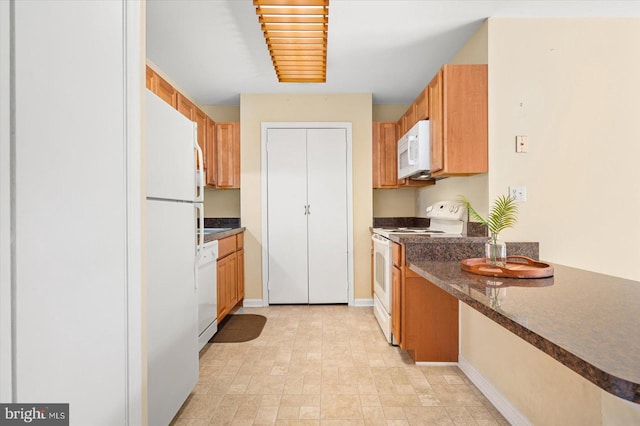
{"points": [[230, 274], [431, 321], [424, 318], [396, 305], [240, 274]]}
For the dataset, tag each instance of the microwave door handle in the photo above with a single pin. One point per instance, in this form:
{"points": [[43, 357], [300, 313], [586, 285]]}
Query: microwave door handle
{"points": [[411, 140]]}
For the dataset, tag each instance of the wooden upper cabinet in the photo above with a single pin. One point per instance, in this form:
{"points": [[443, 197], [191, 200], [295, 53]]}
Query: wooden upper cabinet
{"points": [[435, 123], [220, 143], [210, 144], [385, 155], [421, 106], [149, 79], [228, 155], [385, 158], [186, 107], [458, 115], [418, 110], [167, 92], [161, 87]]}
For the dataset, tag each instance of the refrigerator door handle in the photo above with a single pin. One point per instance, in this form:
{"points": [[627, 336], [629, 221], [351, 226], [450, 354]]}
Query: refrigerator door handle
{"points": [[200, 246], [200, 174]]}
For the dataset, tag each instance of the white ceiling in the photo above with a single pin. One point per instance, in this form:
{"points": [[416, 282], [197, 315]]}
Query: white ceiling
{"points": [[214, 49]]}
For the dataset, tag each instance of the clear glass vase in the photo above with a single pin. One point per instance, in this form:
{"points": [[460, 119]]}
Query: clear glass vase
{"points": [[495, 251]]}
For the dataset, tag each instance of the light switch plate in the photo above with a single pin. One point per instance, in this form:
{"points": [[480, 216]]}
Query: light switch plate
{"points": [[522, 143]]}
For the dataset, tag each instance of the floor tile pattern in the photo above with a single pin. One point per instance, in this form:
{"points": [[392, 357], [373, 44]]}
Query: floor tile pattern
{"points": [[327, 365]]}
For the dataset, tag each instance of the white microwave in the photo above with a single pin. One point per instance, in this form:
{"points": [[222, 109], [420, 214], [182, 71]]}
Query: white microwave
{"points": [[413, 152]]}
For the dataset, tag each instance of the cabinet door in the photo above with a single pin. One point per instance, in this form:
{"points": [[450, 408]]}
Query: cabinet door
{"points": [[286, 216], [166, 91], [223, 305], [149, 80], [396, 306], [210, 155], [327, 218], [421, 105], [161, 87], [232, 280], [465, 119], [186, 107], [436, 123], [385, 157], [240, 274], [431, 325], [228, 155]]}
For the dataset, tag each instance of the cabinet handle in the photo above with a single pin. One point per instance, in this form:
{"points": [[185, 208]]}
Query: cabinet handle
{"points": [[305, 210], [308, 208]]}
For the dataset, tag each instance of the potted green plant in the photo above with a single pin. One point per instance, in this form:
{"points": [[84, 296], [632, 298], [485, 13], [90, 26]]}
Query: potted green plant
{"points": [[503, 215]]}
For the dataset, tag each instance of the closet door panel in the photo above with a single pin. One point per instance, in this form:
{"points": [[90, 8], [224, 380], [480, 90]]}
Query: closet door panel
{"points": [[286, 216], [327, 198]]}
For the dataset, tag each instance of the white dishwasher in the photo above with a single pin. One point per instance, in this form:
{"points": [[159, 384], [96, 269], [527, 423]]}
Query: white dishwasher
{"points": [[207, 293]]}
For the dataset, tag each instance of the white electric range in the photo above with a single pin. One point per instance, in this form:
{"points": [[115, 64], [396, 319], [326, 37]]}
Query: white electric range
{"points": [[447, 219]]}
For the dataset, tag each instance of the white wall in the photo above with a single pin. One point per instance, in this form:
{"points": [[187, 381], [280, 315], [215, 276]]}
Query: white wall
{"points": [[73, 296], [572, 86]]}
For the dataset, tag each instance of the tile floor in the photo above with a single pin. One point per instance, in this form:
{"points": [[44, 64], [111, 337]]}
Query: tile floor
{"points": [[327, 365]]}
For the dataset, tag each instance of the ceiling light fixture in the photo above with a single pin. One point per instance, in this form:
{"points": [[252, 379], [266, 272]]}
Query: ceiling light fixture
{"points": [[296, 35]]}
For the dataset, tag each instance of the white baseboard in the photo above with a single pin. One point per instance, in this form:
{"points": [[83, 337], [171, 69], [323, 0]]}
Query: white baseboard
{"points": [[362, 302], [436, 364], [253, 303], [502, 404]]}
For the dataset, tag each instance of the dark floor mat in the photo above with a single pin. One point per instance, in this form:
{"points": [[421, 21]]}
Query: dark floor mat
{"points": [[239, 328]]}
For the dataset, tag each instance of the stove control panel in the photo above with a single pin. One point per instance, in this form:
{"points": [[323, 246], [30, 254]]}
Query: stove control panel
{"points": [[447, 210]]}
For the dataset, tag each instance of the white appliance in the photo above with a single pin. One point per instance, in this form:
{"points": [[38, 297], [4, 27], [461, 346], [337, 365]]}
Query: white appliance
{"points": [[413, 153], [447, 219], [207, 293], [174, 201]]}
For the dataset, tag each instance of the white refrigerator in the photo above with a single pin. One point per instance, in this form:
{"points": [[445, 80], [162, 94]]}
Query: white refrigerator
{"points": [[174, 203]]}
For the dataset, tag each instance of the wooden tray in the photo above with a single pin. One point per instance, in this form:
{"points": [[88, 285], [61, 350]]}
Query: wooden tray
{"points": [[517, 267]]}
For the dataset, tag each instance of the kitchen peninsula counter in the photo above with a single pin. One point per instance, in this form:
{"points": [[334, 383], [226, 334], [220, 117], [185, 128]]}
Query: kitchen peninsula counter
{"points": [[585, 320]]}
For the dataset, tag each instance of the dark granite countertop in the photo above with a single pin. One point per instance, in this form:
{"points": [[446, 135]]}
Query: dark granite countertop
{"points": [[223, 234], [585, 320]]}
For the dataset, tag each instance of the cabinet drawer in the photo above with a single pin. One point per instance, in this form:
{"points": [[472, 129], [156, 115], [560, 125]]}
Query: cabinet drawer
{"points": [[240, 240], [226, 246], [396, 250]]}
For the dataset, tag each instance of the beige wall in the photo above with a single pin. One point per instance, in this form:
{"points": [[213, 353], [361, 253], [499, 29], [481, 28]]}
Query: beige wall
{"points": [[255, 109], [475, 51], [572, 86], [221, 202], [399, 202], [553, 394], [390, 112], [222, 113]]}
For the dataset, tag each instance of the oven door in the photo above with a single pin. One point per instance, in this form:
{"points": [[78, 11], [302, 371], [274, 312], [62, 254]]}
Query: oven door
{"points": [[382, 270]]}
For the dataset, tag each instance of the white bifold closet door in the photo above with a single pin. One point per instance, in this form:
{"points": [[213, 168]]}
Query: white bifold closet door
{"points": [[307, 215]]}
